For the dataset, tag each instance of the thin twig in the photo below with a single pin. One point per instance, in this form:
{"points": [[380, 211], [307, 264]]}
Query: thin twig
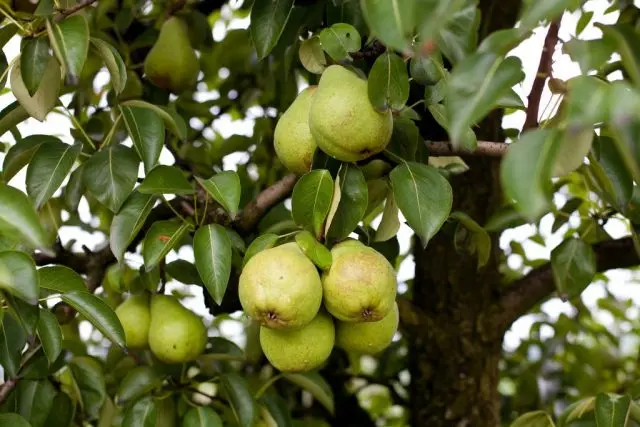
{"points": [[485, 149], [6, 388], [73, 9]]}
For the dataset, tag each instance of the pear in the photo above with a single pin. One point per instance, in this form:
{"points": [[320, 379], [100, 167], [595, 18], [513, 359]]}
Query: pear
{"points": [[299, 350], [292, 138], [361, 285], [280, 287], [135, 317], [342, 120], [172, 63], [176, 334], [368, 337]]}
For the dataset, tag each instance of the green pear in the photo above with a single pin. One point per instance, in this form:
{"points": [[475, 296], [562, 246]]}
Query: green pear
{"points": [[172, 63], [299, 350], [368, 337], [361, 284], [292, 138], [342, 120], [176, 334], [135, 317], [280, 287]]}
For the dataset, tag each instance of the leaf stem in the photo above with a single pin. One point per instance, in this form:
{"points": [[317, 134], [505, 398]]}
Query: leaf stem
{"points": [[78, 126], [266, 385], [12, 19], [183, 219], [204, 212], [112, 131]]}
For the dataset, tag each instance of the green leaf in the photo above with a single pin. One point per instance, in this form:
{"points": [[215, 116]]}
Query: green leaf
{"points": [[480, 236], [160, 239], [340, 40], [70, 42], [277, 408], [352, 204], [138, 382], [391, 21], [19, 218], [535, 11], [424, 197], [533, 419], [33, 62], [146, 129], [268, 19], [21, 153], [511, 99], [311, 200], [614, 177], [390, 223], [12, 115], [388, 83], [404, 140], [573, 147], [225, 188], [110, 175], [50, 335], [35, 400], [172, 120], [18, 276], [128, 222], [143, 413], [98, 313], [27, 315], [201, 416], [12, 341], [223, 349], [13, 420], [48, 168], [184, 271], [428, 70], [475, 87], [585, 19], [60, 279], [74, 190], [164, 179], [612, 410], [64, 412], [314, 250], [468, 141], [312, 56], [627, 41], [114, 63], [90, 384], [317, 386], [624, 127], [526, 172], [261, 243], [456, 39], [574, 264], [242, 402], [45, 98], [212, 253]]}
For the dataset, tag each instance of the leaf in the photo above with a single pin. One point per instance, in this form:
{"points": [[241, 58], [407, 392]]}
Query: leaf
{"points": [[146, 129], [27, 315], [317, 386], [160, 239], [277, 409], [172, 120], [34, 57], [139, 381], [391, 21], [585, 19], [50, 335], [114, 63], [128, 221], [98, 313], [13, 420], [12, 115], [268, 19], [390, 223], [242, 402], [225, 188], [18, 217], [627, 42], [110, 175], [212, 253], [574, 265], [526, 172], [21, 153], [48, 168], [45, 98], [533, 419], [35, 400], [74, 190], [143, 413], [311, 200], [614, 177], [18, 276], [535, 11], [164, 179], [428, 70], [480, 236], [352, 203], [340, 40], [60, 279], [424, 197], [312, 56], [457, 39], [201, 416], [261, 243], [612, 410], [183, 271], [388, 83], [12, 341], [314, 250], [468, 141], [475, 86], [70, 42], [511, 99], [90, 384]]}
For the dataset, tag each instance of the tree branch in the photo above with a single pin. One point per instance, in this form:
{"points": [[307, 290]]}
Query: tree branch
{"points": [[485, 148], [526, 292], [6, 388], [71, 10], [544, 71]]}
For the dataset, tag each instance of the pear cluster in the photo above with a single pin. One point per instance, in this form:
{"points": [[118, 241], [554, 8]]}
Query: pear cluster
{"points": [[335, 116], [162, 324], [304, 314]]}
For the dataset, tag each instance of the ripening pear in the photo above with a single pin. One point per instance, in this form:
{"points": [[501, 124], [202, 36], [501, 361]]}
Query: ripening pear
{"points": [[299, 350], [343, 122], [361, 284], [280, 287], [368, 337], [135, 317], [292, 138], [172, 63], [176, 334]]}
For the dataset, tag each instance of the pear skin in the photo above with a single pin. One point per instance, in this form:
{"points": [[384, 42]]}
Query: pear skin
{"points": [[135, 317], [367, 337], [176, 334], [343, 122], [280, 287], [292, 139], [172, 64], [299, 350], [361, 284]]}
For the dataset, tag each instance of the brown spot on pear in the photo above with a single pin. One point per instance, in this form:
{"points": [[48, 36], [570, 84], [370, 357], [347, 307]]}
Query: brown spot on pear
{"points": [[135, 316], [367, 337]]}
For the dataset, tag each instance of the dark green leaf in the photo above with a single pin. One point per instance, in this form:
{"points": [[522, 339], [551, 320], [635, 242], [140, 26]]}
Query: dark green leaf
{"points": [[391, 21], [13, 420], [261, 243], [627, 42], [90, 382], [277, 408], [18, 218], [481, 237], [48, 168], [146, 129], [404, 140], [311, 200], [585, 19], [70, 42], [201, 416], [35, 400], [74, 189], [12, 115], [160, 239], [388, 83], [468, 141], [268, 19], [114, 63], [352, 204], [98, 313], [457, 38], [128, 222], [314, 250], [225, 189], [20, 154], [212, 253], [164, 179], [64, 412], [60, 279], [27, 315], [172, 120], [50, 335], [340, 40], [18, 276], [33, 62], [612, 410], [620, 183], [428, 70], [183, 271], [138, 382], [574, 265], [317, 386], [143, 413], [12, 341], [242, 402]]}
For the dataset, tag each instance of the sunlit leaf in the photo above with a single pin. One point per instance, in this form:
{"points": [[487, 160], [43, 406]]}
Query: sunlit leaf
{"points": [[212, 253]]}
